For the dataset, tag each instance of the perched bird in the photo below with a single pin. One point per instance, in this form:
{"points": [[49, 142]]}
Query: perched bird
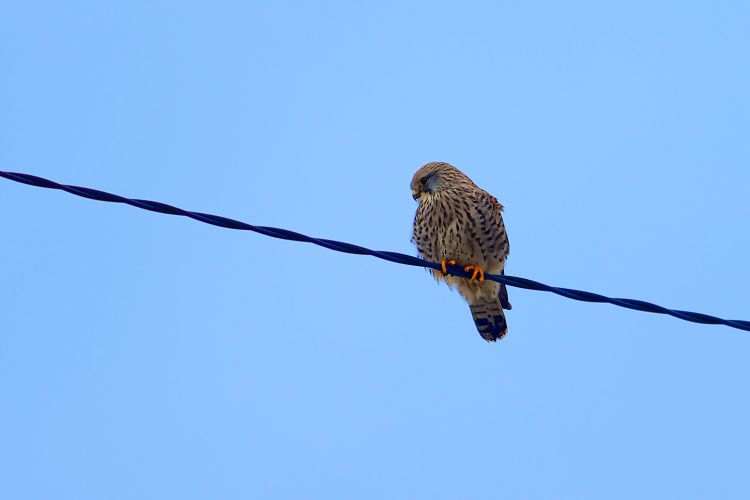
{"points": [[459, 223]]}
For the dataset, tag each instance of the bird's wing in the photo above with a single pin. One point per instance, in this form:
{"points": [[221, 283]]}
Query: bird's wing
{"points": [[503, 243], [502, 294]]}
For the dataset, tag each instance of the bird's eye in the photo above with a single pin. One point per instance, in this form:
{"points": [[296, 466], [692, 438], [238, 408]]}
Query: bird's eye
{"points": [[423, 180]]}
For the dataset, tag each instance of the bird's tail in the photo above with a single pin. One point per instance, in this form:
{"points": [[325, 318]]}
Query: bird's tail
{"points": [[489, 318]]}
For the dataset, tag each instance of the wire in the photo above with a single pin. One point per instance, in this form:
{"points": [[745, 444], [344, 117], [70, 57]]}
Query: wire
{"points": [[396, 257]]}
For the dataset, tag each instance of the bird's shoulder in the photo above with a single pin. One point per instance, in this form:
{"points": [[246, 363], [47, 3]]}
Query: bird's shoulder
{"points": [[488, 201]]}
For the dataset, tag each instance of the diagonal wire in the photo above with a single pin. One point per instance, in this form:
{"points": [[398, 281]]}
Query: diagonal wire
{"points": [[398, 258]]}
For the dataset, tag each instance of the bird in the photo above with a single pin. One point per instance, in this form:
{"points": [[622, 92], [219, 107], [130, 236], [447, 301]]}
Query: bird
{"points": [[458, 223]]}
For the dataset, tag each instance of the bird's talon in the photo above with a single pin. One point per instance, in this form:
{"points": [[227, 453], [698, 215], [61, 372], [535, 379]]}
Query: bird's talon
{"points": [[452, 262], [477, 271]]}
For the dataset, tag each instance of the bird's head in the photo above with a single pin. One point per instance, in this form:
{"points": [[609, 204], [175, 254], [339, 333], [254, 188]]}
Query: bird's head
{"points": [[435, 177]]}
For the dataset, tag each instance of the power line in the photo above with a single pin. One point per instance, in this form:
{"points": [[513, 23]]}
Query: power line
{"points": [[396, 257]]}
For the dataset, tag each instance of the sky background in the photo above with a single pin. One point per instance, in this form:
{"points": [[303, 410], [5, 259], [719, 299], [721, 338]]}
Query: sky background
{"points": [[148, 356]]}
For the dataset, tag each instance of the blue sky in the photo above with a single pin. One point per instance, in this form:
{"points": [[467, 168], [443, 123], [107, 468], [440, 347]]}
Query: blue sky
{"points": [[146, 356]]}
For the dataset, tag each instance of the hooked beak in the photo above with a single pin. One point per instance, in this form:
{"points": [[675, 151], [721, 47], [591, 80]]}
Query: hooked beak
{"points": [[416, 193]]}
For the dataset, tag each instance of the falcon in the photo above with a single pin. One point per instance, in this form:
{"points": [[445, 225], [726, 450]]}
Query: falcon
{"points": [[457, 223]]}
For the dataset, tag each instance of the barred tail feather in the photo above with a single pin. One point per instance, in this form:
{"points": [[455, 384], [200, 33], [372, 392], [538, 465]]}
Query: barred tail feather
{"points": [[489, 318]]}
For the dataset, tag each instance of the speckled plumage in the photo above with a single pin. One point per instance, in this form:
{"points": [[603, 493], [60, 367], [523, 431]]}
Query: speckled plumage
{"points": [[458, 220]]}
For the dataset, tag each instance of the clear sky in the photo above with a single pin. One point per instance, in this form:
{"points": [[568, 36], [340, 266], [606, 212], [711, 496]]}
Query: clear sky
{"points": [[147, 356]]}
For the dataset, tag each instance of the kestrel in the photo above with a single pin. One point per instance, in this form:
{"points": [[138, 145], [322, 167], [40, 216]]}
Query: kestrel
{"points": [[459, 223]]}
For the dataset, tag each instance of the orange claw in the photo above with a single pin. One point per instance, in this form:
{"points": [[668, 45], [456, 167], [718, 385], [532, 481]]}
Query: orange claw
{"points": [[477, 270], [452, 262]]}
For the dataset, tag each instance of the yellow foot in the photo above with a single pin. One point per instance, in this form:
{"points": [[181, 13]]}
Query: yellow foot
{"points": [[477, 271], [452, 262]]}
